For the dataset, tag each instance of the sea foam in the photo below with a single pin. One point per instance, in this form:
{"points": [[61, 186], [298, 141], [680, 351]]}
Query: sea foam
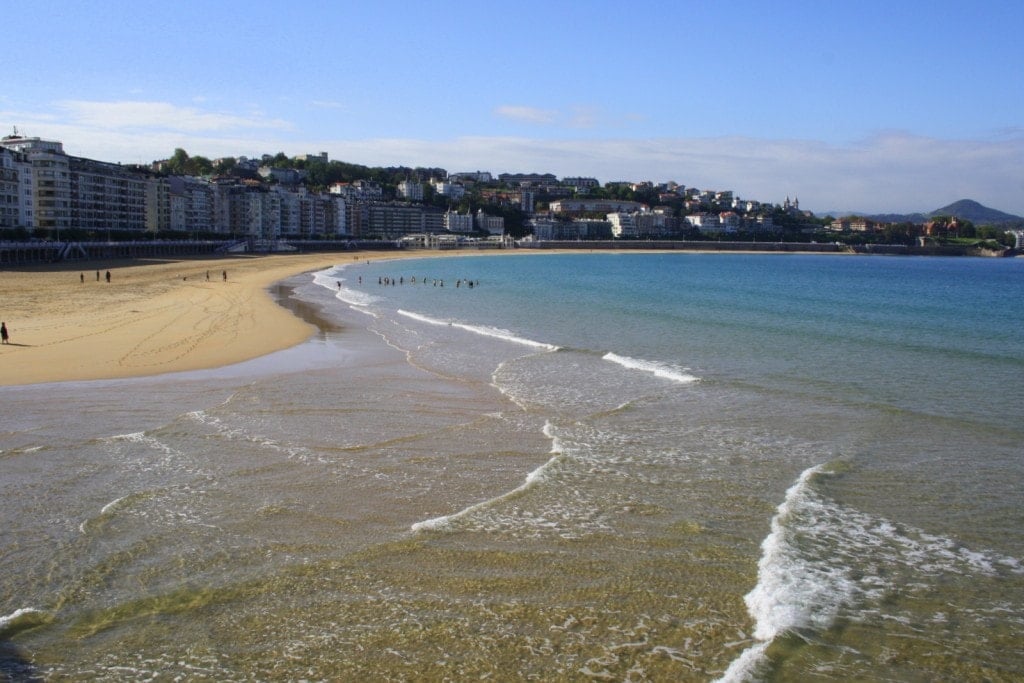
{"points": [[330, 279], [494, 332], [790, 592], [19, 619], [663, 370], [443, 522], [822, 556]]}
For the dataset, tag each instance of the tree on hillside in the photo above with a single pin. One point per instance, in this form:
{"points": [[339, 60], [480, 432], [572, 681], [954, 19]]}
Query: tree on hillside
{"points": [[225, 166], [200, 166], [177, 163], [181, 163]]}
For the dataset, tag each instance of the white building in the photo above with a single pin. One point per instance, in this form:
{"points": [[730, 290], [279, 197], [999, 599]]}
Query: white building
{"points": [[365, 190], [494, 225], [445, 188], [705, 222], [458, 222], [51, 180], [74, 192], [623, 224], [475, 176], [411, 190], [729, 221]]}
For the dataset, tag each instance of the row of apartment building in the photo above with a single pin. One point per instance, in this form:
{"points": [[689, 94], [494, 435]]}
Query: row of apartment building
{"points": [[42, 187], [644, 224]]}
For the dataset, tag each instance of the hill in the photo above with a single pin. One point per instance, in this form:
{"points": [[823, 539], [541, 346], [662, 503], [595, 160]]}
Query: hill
{"points": [[965, 209], [970, 210]]}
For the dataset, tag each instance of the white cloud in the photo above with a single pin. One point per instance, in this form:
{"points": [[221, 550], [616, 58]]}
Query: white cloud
{"points": [[578, 116], [891, 172], [327, 104], [132, 114], [584, 117], [526, 114]]}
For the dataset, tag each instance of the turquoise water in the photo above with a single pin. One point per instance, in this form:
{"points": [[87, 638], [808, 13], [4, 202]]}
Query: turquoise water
{"points": [[585, 466]]}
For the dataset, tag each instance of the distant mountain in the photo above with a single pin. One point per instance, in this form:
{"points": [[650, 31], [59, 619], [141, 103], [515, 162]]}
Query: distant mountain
{"points": [[972, 211], [900, 217], [966, 209]]}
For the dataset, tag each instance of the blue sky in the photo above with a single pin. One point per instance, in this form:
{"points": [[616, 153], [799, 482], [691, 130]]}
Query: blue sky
{"points": [[870, 106]]}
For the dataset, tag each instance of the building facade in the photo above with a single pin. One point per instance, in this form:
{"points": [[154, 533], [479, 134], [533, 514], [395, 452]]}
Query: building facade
{"points": [[15, 189], [411, 190], [493, 225], [458, 222]]}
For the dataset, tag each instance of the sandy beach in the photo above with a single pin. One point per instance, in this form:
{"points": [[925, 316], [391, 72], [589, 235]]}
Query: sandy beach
{"points": [[67, 323]]}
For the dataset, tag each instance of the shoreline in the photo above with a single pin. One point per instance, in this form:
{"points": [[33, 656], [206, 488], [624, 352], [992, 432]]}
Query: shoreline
{"points": [[160, 316], [154, 317]]}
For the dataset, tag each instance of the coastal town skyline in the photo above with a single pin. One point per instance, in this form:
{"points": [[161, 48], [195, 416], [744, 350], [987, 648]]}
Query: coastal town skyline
{"points": [[871, 108]]}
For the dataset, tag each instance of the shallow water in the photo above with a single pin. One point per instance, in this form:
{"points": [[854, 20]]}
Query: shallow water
{"points": [[617, 467]]}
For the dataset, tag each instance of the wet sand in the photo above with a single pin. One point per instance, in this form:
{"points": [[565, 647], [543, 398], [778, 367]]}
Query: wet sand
{"points": [[67, 323]]}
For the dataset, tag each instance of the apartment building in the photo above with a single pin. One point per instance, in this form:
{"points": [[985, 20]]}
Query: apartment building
{"points": [[364, 190], [454, 191], [494, 225], [623, 224], [581, 183], [105, 196], [471, 176], [575, 206], [316, 214], [392, 220], [74, 192], [538, 179], [247, 210], [548, 229], [458, 222], [291, 213], [51, 180], [705, 222], [15, 189], [158, 204], [411, 190]]}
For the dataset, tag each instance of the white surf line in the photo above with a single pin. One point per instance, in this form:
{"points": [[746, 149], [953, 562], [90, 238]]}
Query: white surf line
{"points": [[24, 614], [786, 595], [494, 332], [663, 370], [443, 522]]}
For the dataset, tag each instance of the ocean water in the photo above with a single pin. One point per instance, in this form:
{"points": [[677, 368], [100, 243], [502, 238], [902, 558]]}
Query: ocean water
{"points": [[604, 466]]}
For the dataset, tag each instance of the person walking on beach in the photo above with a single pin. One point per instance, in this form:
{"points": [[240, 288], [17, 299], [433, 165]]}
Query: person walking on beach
{"points": [[108, 276], [225, 274], [82, 277], [3, 333]]}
